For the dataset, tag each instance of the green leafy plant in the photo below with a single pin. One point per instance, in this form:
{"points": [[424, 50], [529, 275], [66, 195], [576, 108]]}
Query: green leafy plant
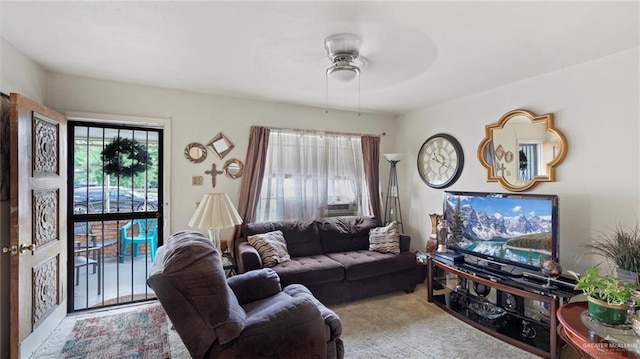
{"points": [[609, 289], [621, 246]]}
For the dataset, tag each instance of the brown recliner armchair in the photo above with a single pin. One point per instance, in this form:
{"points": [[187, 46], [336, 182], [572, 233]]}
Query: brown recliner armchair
{"points": [[246, 316]]}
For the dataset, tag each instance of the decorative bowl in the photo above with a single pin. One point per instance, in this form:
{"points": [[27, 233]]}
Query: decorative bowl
{"points": [[487, 310]]}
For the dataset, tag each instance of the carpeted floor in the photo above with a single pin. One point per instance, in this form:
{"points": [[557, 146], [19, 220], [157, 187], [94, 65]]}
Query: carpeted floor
{"points": [[401, 325], [404, 325], [397, 325]]}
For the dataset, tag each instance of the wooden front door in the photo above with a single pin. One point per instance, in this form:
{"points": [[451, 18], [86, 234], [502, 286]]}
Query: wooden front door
{"points": [[38, 223]]}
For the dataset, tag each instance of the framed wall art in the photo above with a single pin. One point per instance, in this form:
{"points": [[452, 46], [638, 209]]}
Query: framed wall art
{"points": [[195, 152], [220, 145]]}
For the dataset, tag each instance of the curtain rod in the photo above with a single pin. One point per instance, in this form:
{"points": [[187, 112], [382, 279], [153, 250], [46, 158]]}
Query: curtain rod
{"points": [[327, 132]]}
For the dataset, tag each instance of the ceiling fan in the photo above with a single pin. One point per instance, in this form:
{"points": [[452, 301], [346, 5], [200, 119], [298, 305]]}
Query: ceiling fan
{"points": [[344, 52]]}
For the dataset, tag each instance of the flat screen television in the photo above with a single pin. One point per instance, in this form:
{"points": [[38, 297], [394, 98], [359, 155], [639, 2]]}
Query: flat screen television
{"points": [[504, 228]]}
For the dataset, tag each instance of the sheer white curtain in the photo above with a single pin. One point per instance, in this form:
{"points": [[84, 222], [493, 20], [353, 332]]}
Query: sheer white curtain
{"points": [[305, 171]]}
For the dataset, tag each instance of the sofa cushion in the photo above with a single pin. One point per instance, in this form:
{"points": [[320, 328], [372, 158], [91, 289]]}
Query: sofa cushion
{"points": [[340, 234], [271, 246], [301, 235], [309, 270], [385, 239], [366, 264]]}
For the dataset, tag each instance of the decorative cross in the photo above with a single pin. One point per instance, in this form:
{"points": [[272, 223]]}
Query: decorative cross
{"points": [[501, 169], [214, 172]]}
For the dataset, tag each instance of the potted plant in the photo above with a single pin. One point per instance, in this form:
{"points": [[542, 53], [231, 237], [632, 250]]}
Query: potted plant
{"points": [[608, 296], [622, 247]]}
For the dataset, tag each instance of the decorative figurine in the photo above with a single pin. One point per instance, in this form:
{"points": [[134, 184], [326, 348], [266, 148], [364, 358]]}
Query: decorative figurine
{"points": [[552, 270], [442, 235]]}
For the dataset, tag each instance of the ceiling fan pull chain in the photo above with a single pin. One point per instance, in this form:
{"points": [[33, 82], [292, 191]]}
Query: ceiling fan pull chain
{"points": [[326, 94], [359, 112]]}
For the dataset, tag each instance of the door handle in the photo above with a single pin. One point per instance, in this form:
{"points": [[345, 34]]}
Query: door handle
{"points": [[27, 247], [12, 249]]}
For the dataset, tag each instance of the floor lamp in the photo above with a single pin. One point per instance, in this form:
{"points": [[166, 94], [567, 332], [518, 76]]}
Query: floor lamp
{"points": [[214, 213], [392, 210]]}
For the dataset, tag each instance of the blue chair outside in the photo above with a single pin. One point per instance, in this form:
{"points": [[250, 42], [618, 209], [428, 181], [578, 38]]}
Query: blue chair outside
{"points": [[147, 233]]}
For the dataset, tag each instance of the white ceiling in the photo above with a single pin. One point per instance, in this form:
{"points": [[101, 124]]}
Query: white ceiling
{"points": [[418, 53]]}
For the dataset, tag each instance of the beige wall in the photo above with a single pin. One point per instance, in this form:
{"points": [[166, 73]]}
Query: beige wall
{"points": [[17, 74], [198, 117], [595, 105]]}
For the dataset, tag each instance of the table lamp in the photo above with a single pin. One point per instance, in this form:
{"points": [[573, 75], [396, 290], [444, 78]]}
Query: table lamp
{"points": [[214, 213]]}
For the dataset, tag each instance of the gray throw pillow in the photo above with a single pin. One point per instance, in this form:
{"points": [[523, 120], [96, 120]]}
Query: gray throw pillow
{"points": [[385, 239], [271, 246]]}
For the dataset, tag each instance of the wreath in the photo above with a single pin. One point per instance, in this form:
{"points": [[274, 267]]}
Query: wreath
{"points": [[125, 157]]}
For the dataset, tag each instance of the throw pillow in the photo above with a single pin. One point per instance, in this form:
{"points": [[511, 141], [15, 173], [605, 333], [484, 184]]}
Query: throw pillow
{"points": [[271, 246], [385, 239]]}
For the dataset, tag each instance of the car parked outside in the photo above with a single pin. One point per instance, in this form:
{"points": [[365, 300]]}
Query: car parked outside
{"points": [[91, 200]]}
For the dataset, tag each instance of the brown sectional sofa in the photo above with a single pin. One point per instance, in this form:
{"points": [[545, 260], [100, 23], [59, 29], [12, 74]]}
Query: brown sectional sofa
{"points": [[331, 257]]}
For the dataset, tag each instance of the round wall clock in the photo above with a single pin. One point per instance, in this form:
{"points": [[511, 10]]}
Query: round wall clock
{"points": [[440, 160]]}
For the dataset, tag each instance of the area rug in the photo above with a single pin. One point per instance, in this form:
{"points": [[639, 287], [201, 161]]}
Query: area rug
{"points": [[137, 331]]}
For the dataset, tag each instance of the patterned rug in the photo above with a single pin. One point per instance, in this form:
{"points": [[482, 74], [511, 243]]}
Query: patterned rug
{"points": [[139, 331]]}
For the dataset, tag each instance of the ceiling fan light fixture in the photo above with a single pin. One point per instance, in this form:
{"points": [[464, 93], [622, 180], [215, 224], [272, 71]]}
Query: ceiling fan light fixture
{"points": [[343, 72]]}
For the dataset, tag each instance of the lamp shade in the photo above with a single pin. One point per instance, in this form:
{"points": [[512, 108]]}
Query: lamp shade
{"points": [[343, 72], [215, 212], [393, 156]]}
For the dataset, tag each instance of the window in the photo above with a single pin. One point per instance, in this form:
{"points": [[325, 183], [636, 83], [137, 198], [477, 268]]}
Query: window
{"points": [[306, 171]]}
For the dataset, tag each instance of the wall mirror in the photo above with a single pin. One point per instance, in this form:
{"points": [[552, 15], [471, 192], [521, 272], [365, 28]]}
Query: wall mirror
{"points": [[522, 149], [220, 145], [195, 152], [233, 168]]}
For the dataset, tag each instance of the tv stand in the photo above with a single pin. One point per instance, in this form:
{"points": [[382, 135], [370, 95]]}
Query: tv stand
{"points": [[518, 311], [496, 268]]}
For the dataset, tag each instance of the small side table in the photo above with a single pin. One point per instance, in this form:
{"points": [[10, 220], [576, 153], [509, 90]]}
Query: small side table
{"points": [[587, 342], [229, 264]]}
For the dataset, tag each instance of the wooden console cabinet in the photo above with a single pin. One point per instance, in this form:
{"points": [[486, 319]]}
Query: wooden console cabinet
{"points": [[526, 310]]}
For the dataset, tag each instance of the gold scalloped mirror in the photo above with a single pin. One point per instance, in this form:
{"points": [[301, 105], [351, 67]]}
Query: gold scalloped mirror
{"points": [[522, 149]]}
